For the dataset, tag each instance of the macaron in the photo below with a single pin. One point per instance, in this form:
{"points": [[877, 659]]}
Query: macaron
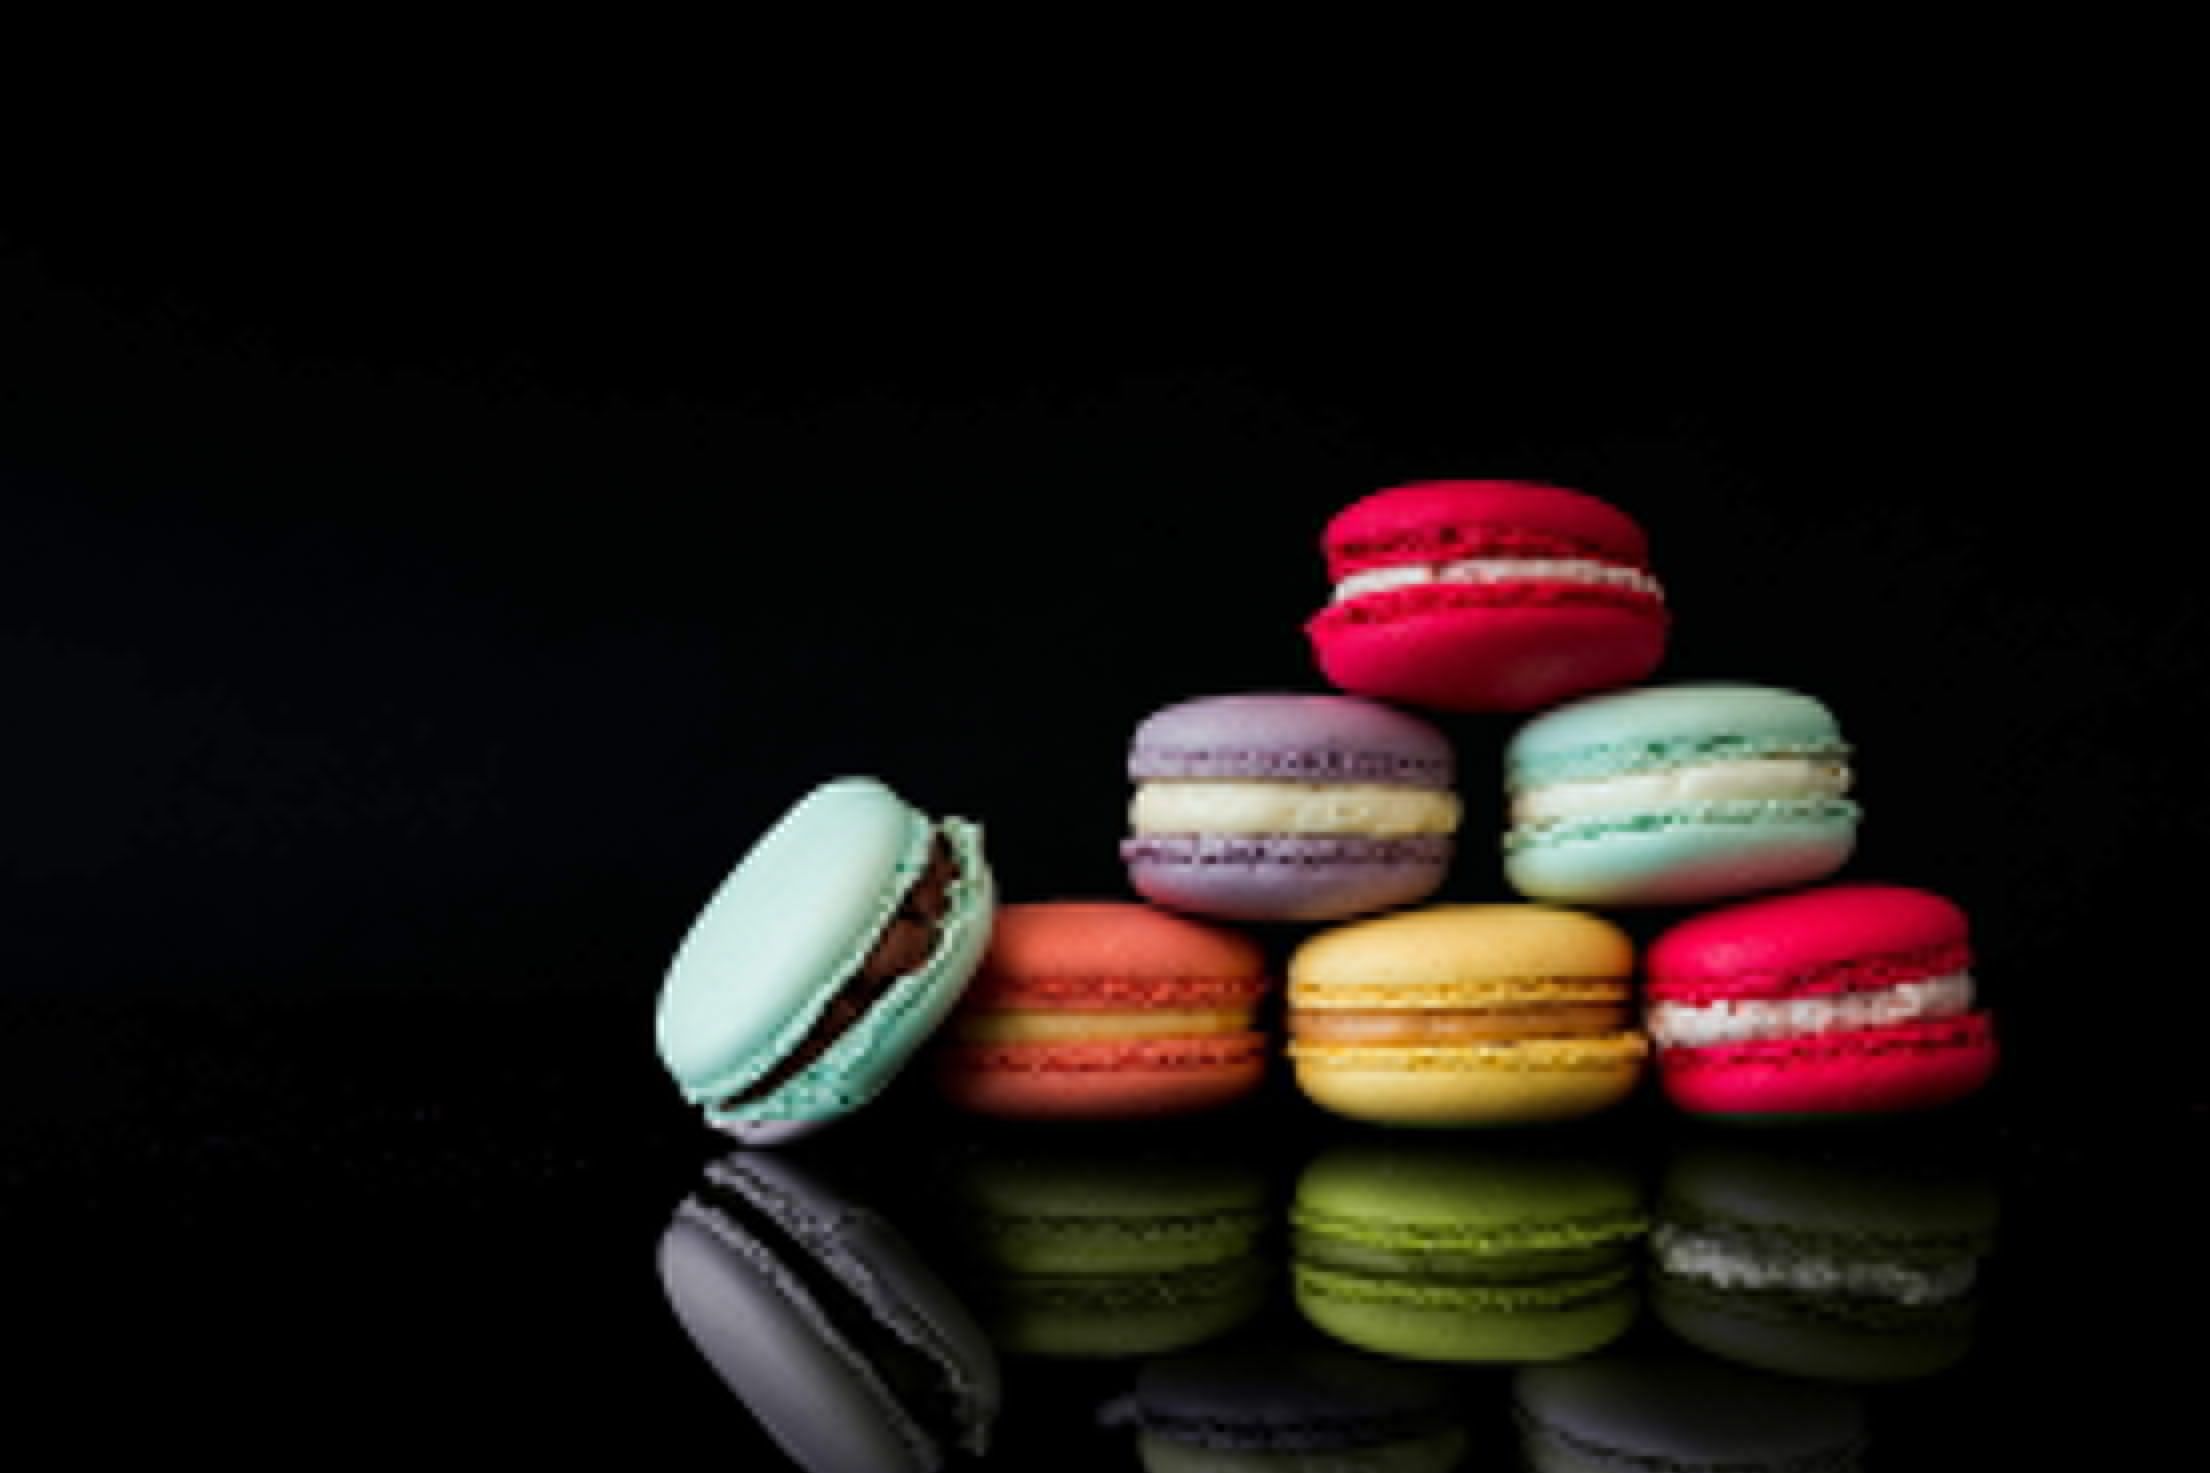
{"points": [[1466, 1015], [1107, 1250], [1677, 795], [1105, 1010], [1274, 1405], [1859, 1261], [819, 1315], [1288, 807], [1437, 1251], [827, 957], [1486, 596], [1630, 1412], [1843, 1000]]}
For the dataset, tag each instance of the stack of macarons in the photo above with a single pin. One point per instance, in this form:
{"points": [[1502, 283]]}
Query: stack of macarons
{"points": [[858, 928]]}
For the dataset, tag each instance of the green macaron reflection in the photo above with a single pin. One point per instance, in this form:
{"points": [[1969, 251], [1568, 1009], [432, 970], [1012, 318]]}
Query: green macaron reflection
{"points": [[1853, 1261], [1448, 1251], [1108, 1246]]}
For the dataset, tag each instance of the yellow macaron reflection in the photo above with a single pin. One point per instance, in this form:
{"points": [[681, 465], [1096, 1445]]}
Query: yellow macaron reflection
{"points": [[1464, 1015]]}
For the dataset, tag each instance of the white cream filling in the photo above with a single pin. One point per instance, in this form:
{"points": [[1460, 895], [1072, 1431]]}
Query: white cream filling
{"points": [[1498, 570], [1378, 810], [1746, 1020], [1744, 779], [1724, 1260]]}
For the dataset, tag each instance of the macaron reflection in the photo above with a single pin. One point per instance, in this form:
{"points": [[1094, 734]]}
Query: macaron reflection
{"points": [[1108, 1247], [1435, 1250], [1249, 1405], [1856, 1261], [819, 1315], [1630, 1412]]}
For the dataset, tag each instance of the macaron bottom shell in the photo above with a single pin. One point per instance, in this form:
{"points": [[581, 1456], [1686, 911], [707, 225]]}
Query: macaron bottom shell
{"points": [[1462, 649], [1285, 877], [1873, 1071], [1471, 1085], [1673, 859], [1120, 1079]]}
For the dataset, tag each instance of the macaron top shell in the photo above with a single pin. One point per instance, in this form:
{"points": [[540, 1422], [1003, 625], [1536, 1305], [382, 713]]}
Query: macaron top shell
{"points": [[1431, 521], [1670, 725], [1439, 948], [1291, 738], [1104, 954], [1836, 938]]}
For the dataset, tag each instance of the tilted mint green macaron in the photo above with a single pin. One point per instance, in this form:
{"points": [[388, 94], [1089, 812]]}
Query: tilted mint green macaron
{"points": [[824, 961], [1677, 794]]}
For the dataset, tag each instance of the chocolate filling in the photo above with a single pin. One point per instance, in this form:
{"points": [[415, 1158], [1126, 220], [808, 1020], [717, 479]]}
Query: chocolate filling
{"points": [[905, 943]]}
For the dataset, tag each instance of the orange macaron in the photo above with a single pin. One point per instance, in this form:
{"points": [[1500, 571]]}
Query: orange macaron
{"points": [[1105, 1010]]}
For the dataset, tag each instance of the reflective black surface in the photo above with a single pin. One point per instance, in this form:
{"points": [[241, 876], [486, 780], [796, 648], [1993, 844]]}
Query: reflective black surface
{"points": [[463, 1256], [411, 608]]}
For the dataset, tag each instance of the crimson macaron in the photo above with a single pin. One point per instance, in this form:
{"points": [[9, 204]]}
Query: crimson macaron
{"points": [[1106, 1010], [1486, 596], [1842, 1000]]}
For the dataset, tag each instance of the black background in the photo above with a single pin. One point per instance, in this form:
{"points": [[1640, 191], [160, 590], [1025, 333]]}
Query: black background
{"points": [[420, 591]]}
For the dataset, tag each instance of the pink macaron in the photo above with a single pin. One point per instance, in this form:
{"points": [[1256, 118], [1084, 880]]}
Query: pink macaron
{"points": [[1838, 1001], [1486, 596]]}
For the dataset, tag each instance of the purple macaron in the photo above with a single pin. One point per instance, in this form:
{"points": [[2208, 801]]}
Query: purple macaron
{"points": [[1288, 807]]}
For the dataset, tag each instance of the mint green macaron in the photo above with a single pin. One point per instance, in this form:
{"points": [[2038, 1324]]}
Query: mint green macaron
{"points": [[824, 961], [1677, 795]]}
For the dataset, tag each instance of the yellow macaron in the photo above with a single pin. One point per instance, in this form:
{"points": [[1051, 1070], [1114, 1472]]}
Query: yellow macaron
{"points": [[1466, 1015]]}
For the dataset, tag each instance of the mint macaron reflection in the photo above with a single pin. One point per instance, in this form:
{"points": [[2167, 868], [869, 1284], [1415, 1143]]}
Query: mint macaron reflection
{"points": [[822, 1319]]}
